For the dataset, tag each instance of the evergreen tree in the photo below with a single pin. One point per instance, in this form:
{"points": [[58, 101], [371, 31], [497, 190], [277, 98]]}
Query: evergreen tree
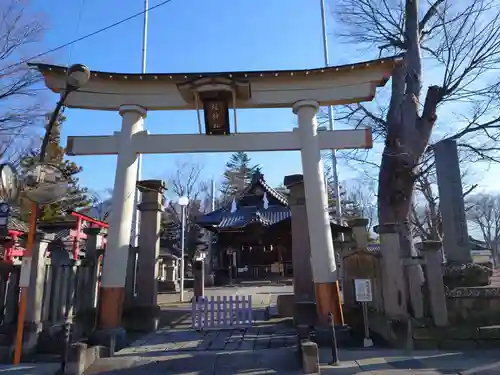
{"points": [[237, 175], [77, 196]]}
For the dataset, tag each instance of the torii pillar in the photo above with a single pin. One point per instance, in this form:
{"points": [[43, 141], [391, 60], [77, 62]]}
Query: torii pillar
{"points": [[114, 271], [323, 262]]}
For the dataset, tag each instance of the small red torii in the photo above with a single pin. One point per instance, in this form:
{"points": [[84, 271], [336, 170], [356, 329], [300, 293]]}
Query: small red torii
{"points": [[77, 233], [12, 249]]}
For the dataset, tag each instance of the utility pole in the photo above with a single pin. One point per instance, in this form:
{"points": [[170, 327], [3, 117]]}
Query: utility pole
{"points": [[134, 240], [335, 175]]}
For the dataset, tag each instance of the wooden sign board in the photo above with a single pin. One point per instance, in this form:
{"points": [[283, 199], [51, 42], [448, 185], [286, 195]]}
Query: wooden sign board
{"points": [[216, 117]]}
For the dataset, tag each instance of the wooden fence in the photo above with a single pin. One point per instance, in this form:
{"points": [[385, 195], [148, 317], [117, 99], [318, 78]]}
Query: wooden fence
{"points": [[221, 312]]}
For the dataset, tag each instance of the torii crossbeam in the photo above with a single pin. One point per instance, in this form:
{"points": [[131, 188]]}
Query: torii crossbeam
{"points": [[144, 143], [133, 95]]}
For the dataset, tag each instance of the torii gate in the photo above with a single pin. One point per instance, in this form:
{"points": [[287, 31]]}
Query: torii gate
{"points": [[133, 95]]}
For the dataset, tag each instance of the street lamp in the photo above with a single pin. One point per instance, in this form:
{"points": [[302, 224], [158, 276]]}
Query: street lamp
{"points": [[76, 77], [183, 202]]}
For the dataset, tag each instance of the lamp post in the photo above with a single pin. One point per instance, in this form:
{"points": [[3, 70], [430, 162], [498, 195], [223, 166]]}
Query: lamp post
{"points": [[183, 202], [77, 76]]}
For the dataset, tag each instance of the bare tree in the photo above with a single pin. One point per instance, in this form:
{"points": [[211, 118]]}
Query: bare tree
{"points": [[187, 180], [19, 107], [100, 208], [463, 42], [485, 217], [360, 200]]}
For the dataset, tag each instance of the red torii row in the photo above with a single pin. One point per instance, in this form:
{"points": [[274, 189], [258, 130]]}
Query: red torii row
{"points": [[12, 248]]}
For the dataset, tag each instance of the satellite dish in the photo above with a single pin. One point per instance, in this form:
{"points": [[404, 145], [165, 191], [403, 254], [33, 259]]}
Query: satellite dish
{"points": [[45, 183], [9, 183]]}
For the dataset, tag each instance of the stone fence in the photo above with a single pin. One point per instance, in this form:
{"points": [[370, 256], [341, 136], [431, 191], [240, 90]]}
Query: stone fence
{"points": [[61, 289], [419, 293]]}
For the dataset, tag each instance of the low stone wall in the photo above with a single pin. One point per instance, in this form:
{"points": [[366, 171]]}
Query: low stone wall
{"points": [[456, 338], [474, 321], [476, 306]]}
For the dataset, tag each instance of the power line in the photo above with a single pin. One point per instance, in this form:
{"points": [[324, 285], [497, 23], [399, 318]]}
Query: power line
{"points": [[77, 30], [86, 36]]}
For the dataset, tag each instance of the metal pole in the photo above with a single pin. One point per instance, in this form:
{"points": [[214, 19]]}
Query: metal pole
{"points": [[145, 36], [338, 205], [335, 352], [137, 197], [367, 341], [183, 229], [211, 235]]}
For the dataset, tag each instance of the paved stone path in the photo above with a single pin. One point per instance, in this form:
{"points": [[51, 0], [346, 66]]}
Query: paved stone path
{"points": [[268, 347], [186, 340], [395, 362]]}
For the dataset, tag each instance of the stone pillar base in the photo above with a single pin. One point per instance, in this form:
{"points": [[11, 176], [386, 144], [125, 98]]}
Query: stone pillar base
{"points": [[115, 339], [31, 334], [328, 300], [142, 318]]}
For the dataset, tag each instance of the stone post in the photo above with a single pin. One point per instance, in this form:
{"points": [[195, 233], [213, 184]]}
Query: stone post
{"points": [[431, 251], [456, 236], [130, 282], [92, 253], [151, 209], [344, 248], [303, 284], [393, 277], [34, 299], [199, 278], [360, 238], [171, 282], [359, 232]]}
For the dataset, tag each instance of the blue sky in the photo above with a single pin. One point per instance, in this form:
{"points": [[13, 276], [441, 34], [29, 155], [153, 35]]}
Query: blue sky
{"points": [[192, 36], [185, 36]]}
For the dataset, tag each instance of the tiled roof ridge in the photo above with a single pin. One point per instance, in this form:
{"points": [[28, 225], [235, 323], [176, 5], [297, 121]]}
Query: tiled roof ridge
{"points": [[276, 194], [262, 182]]}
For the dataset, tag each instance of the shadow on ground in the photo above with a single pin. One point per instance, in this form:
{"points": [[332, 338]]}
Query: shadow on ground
{"points": [[373, 361], [276, 361]]}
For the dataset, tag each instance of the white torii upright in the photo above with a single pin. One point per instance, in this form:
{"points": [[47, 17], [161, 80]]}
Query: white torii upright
{"points": [[133, 95]]}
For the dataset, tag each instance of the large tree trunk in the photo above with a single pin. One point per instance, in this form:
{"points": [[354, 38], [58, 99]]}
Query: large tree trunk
{"points": [[395, 194]]}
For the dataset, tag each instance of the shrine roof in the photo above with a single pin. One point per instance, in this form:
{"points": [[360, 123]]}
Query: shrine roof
{"points": [[248, 215], [183, 77], [250, 207]]}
